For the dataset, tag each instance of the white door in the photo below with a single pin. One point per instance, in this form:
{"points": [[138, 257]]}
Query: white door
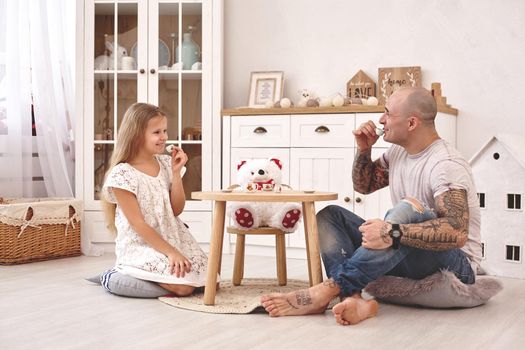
{"points": [[374, 205], [321, 169]]}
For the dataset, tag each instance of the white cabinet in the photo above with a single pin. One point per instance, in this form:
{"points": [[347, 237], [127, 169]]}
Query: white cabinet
{"points": [[321, 169], [148, 34], [317, 151]]}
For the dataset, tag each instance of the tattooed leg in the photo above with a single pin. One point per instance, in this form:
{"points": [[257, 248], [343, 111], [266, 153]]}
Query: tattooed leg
{"points": [[313, 300]]}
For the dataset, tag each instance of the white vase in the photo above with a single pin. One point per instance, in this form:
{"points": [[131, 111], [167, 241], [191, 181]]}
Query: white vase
{"points": [[190, 52]]}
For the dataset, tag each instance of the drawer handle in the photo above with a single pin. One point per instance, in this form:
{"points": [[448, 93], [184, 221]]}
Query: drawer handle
{"points": [[321, 129], [358, 200], [260, 130], [347, 199]]}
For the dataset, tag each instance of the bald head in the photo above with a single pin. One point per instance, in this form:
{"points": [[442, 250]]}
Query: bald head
{"points": [[418, 101]]}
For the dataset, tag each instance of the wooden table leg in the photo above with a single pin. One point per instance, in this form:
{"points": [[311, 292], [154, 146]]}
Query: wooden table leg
{"points": [[214, 259], [312, 243], [305, 221]]}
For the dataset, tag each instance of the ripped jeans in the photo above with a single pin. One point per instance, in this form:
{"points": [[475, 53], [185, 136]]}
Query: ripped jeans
{"points": [[352, 266]]}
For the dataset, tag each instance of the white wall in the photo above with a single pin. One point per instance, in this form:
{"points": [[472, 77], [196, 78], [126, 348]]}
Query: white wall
{"points": [[475, 48]]}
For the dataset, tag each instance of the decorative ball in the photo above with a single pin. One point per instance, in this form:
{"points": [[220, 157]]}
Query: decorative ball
{"points": [[302, 103], [325, 102], [372, 101], [286, 103], [338, 100], [268, 104]]}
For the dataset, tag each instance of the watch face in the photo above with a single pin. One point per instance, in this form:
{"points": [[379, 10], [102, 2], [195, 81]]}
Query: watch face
{"points": [[396, 234]]}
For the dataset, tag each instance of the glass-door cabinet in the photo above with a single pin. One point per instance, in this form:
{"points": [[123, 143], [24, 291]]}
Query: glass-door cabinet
{"points": [[152, 51]]}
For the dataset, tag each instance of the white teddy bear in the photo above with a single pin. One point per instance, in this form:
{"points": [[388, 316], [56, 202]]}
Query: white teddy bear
{"points": [[262, 175], [306, 99]]}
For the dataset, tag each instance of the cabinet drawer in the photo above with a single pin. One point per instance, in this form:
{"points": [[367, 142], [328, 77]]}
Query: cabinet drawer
{"points": [[261, 131], [322, 130], [95, 226]]}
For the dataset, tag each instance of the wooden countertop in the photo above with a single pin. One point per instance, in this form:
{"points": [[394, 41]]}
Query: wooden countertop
{"points": [[320, 110]]}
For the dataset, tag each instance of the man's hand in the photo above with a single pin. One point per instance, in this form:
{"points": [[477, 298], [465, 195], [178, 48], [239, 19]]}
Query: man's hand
{"points": [[365, 135], [375, 234]]}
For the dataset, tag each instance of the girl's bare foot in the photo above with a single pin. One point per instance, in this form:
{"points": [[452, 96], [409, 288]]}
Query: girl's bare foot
{"points": [[354, 309], [313, 300]]}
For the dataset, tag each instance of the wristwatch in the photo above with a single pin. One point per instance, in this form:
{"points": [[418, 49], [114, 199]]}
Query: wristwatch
{"points": [[396, 235]]}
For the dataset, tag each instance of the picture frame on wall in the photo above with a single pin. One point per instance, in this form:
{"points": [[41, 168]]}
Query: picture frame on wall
{"points": [[264, 87]]}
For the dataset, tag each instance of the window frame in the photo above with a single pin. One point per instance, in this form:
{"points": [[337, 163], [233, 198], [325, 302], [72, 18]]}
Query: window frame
{"points": [[519, 253], [514, 201]]}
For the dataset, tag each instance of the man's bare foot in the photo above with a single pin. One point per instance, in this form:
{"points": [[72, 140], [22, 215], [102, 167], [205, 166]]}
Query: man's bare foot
{"points": [[313, 300], [354, 309]]}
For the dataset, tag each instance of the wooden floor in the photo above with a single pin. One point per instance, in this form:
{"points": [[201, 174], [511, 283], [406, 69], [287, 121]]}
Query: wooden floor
{"points": [[48, 305]]}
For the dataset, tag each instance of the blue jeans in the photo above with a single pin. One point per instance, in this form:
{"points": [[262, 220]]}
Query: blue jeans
{"points": [[352, 266]]}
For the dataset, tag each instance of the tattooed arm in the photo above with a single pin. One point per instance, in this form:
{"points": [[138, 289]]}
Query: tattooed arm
{"points": [[368, 176], [448, 231]]}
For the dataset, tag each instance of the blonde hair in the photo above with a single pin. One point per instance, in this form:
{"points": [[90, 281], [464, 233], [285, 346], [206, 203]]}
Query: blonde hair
{"points": [[129, 139]]}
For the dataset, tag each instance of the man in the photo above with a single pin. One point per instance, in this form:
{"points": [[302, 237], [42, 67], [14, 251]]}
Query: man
{"points": [[434, 224]]}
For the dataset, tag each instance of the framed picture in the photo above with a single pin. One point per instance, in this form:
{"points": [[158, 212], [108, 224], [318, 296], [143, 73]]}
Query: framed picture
{"points": [[264, 87], [392, 78]]}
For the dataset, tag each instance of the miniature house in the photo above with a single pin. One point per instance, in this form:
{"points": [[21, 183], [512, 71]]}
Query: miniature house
{"points": [[499, 173], [360, 86]]}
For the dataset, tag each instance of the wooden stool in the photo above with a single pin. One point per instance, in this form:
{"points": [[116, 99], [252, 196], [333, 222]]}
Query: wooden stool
{"points": [[280, 251]]}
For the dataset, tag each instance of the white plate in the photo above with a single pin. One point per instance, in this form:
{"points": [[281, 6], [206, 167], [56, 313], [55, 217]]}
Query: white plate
{"points": [[164, 53]]}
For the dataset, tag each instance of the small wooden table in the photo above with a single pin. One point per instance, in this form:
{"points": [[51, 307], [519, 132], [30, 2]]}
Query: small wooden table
{"points": [[310, 228]]}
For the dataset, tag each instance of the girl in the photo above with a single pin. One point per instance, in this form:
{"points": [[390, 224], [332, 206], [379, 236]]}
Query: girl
{"points": [[142, 197]]}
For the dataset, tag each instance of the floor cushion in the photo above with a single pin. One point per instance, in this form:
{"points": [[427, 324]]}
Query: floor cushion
{"points": [[127, 286], [440, 290]]}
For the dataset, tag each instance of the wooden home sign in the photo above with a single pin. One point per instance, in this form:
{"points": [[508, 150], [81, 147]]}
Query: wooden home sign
{"points": [[391, 79], [360, 86]]}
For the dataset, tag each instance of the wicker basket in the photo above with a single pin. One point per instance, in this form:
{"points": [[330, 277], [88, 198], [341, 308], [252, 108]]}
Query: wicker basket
{"points": [[39, 229]]}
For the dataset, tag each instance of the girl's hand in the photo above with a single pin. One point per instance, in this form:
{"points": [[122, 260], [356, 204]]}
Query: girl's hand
{"points": [[179, 265], [178, 159]]}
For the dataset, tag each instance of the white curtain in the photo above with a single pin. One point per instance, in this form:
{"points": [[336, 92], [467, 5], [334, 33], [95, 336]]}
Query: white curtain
{"points": [[53, 94], [39, 68], [15, 102]]}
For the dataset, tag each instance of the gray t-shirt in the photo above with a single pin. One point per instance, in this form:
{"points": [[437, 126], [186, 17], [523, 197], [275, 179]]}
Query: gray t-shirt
{"points": [[428, 174]]}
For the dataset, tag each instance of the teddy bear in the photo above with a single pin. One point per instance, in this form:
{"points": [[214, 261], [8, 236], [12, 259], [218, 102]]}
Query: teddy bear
{"points": [[262, 175], [306, 99]]}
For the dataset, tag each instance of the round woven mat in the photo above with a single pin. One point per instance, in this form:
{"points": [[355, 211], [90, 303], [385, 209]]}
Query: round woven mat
{"points": [[230, 299]]}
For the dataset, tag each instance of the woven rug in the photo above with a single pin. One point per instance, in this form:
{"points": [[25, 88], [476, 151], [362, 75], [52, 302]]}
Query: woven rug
{"points": [[232, 299]]}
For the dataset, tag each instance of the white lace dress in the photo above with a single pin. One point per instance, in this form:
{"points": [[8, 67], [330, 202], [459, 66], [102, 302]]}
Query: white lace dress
{"points": [[134, 256]]}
